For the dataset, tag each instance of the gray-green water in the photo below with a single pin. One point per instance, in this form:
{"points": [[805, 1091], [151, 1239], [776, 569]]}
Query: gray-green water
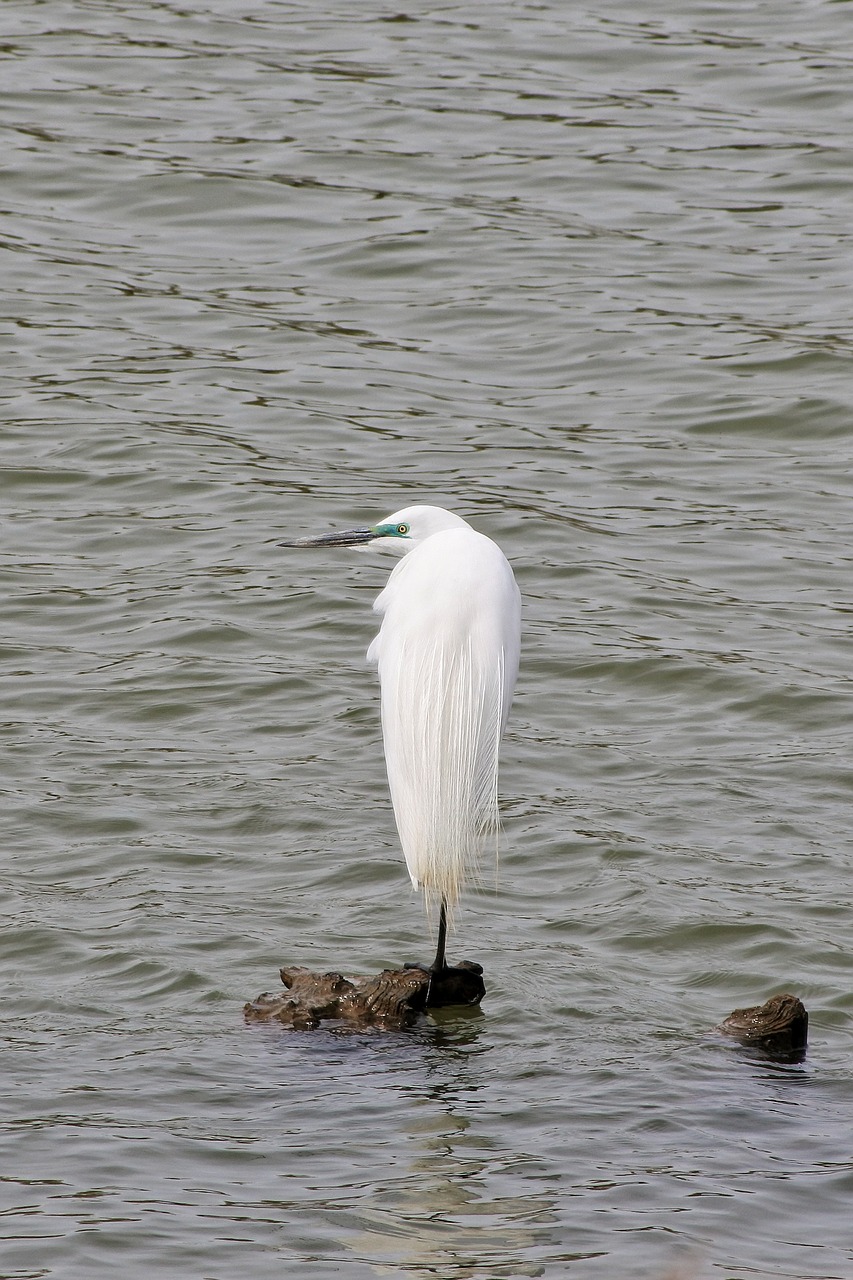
{"points": [[585, 276]]}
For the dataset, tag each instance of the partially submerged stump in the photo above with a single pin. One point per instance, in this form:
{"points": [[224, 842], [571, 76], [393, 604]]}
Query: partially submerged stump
{"points": [[390, 1000], [779, 1027], [395, 998]]}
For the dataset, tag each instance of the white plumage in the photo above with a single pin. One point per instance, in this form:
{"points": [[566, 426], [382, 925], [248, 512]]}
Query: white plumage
{"points": [[447, 653]]}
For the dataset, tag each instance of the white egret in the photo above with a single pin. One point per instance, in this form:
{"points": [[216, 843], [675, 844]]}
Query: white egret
{"points": [[447, 653]]}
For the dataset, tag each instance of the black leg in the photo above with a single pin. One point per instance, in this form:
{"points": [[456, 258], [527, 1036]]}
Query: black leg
{"points": [[439, 962]]}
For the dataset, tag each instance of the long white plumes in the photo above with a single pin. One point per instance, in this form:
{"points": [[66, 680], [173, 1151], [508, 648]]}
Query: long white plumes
{"points": [[447, 653], [442, 751]]}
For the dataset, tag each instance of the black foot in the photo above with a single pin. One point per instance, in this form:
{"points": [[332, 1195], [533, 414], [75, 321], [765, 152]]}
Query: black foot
{"points": [[455, 984]]}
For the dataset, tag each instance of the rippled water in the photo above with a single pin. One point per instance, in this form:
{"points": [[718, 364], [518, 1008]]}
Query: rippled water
{"points": [[584, 276]]}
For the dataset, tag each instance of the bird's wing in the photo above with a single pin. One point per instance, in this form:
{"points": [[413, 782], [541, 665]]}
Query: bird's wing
{"points": [[447, 654]]}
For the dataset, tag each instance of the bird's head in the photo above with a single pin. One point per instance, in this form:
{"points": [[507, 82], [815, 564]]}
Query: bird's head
{"points": [[397, 533]]}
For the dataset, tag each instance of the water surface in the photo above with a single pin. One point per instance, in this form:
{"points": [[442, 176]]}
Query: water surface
{"points": [[583, 276]]}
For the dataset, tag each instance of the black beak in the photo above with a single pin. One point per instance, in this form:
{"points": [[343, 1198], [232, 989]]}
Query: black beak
{"points": [[345, 538]]}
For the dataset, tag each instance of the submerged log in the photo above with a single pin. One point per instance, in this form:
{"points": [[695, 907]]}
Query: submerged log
{"points": [[779, 1027], [395, 998], [390, 1000]]}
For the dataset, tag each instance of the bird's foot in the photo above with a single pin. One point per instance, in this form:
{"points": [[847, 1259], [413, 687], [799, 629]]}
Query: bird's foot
{"points": [[455, 984]]}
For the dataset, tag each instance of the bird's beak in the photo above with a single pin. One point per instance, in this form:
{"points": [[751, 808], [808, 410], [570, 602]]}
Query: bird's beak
{"points": [[345, 538]]}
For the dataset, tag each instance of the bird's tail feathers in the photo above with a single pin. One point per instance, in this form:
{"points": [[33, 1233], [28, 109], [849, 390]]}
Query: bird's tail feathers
{"points": [[443, 764]]}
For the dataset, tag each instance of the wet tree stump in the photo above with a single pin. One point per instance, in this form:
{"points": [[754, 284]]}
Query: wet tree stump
{"points": [[780, 1027], [390, 1000], [395, 998]]}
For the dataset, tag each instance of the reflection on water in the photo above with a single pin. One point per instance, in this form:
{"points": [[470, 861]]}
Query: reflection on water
{"points": [[456, 1199]]}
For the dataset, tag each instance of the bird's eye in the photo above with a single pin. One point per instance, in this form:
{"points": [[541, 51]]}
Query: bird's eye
{"points": [[402, 529]]}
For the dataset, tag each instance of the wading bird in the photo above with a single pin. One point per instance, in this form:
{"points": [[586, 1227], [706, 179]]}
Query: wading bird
{"points": [[447, 653]]}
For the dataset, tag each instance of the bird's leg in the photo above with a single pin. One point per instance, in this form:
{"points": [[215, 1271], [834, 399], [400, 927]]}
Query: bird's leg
{"points": [[439, 963]]}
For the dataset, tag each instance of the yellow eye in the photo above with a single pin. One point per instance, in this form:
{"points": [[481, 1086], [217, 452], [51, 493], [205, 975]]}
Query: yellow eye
{"points": [[402, 529]]}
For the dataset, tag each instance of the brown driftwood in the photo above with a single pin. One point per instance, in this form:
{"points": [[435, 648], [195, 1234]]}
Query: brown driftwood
{"points": [[395, 998], [779, 1027], [391, 999]]}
